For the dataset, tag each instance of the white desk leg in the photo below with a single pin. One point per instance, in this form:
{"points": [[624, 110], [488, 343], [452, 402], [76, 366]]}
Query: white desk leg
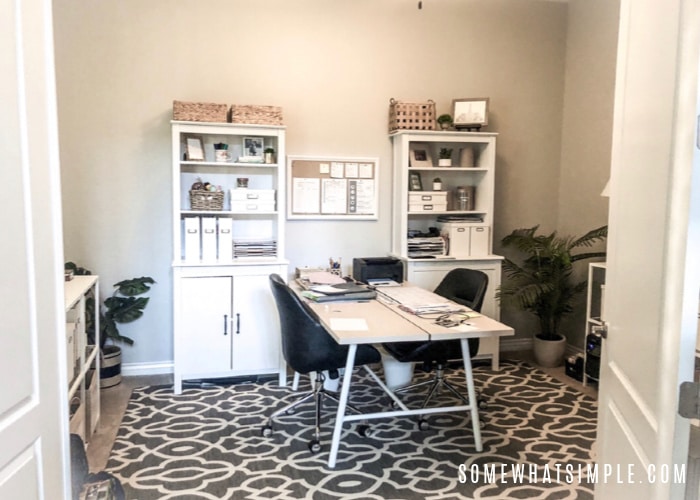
{"points": [[340, 415], [472, 393]]}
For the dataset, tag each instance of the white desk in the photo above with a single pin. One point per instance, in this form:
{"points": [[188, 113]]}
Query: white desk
{"points": [[388, 323]]}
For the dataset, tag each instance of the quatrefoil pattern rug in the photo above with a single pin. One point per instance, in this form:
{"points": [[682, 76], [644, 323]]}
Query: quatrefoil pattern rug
{"points": [[207, 444]]}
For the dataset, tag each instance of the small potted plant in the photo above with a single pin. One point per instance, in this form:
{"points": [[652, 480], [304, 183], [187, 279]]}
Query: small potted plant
{"points": [[542, 283], [269, 155], [445, 121], [437, 184], [445, 157]]}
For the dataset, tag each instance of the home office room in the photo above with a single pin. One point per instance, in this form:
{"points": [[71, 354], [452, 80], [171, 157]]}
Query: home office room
{"points": [[170, 116]]}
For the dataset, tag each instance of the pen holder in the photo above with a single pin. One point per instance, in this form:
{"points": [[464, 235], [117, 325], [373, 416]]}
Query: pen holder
{"points": [[336, 271]]}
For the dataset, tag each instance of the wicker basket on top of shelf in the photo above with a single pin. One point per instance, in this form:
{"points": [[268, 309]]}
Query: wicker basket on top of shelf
{"points": [[411, 115], [200, 112], [256, 115], [206, 200]]}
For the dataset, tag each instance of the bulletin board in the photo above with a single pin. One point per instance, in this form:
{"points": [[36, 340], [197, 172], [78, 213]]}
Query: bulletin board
{"points": [[332, 188]]}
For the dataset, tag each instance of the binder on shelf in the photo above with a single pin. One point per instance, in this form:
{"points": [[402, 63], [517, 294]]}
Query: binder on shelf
{"points": [[225, 240], [208, 238], [192, 238]]}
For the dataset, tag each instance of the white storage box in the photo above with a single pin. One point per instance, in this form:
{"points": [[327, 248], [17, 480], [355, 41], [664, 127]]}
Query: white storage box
{"points": [[244, 200], [466, 240], [260, 195], [427, 201]]}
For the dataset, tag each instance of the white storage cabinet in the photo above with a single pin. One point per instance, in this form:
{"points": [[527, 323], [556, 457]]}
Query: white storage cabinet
{"points": [[469, 243], [225, 319]]}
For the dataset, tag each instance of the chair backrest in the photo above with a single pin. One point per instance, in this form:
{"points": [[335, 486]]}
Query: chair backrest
{"points": [[464, 286], [306, 344]]}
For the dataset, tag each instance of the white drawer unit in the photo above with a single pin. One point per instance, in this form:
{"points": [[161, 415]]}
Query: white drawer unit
{"points": [[427, 201], [244, 200]]}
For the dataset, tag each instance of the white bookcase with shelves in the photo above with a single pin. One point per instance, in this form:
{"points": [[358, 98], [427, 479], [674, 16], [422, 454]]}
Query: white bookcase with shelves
{"points": [[595, 321], [226, 242], [459, 213]]}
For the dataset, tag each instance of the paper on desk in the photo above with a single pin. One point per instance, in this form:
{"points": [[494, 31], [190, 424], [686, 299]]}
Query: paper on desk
{"points": [[349, 324], [325, 278]]}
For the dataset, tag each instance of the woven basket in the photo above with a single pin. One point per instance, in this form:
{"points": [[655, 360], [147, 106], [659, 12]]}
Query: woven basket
{"points": [[411, 115], [200, 112], [256, 115], [207, 200]]}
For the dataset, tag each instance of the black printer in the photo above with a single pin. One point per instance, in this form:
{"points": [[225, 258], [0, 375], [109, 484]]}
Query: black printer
{"points": [[367, 268]]}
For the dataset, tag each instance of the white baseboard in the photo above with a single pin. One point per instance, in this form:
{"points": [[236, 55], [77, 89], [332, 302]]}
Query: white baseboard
{"points": [[140, 369], [515, 344]]}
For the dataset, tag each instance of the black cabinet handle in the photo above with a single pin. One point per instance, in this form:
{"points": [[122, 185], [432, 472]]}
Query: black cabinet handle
{"points": [[225, 324], [238, 323]]}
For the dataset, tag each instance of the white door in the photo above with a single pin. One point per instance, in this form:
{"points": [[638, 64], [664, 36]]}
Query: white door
{"points": [[33, 395], [652, 278]]}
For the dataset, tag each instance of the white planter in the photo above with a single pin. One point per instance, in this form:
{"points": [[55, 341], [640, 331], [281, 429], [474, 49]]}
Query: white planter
{"points": [[549, 353], [444, 162]]}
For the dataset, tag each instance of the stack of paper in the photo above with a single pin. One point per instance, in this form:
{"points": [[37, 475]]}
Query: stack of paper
{"points": [[254, 248], [426, 247]]}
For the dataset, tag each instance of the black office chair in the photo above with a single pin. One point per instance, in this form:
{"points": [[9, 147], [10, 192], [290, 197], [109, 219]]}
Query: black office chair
{"points": [[308, 347], [463, 286]]}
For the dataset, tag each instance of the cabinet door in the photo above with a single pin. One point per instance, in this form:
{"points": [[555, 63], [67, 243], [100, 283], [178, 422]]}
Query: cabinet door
{"points": [[256, 340], [205, 325]]}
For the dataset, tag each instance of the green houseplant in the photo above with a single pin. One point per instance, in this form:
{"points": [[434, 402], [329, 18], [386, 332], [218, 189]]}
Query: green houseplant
{"points": [[445, 121], [542, 283], [269, 155], [445, 157], [124, 306]]}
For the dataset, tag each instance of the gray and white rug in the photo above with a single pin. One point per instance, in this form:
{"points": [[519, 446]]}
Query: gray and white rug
{"points": [[207, 444]]}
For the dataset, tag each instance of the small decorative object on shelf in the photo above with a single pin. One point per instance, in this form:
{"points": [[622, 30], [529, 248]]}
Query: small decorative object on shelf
{"points": [[414, 182], [221, 152], [445, 159], [269, 155], [437, 184], [206, 196], [445, 121]]}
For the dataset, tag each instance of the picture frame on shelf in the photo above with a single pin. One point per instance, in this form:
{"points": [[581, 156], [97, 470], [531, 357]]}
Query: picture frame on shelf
{"points": [[470, 112], [253, 146], [194, 148], [419, 156], [415, 183]]}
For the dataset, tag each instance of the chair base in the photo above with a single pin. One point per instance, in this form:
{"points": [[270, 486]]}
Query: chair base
{"points": [[436, 384], [317, 393]]}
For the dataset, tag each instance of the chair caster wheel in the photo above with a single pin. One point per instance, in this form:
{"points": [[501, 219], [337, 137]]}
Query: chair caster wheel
{"points": [[365, 431], [314, 446], [266, 431], [482, 404], [394, 405], [423, 425]]}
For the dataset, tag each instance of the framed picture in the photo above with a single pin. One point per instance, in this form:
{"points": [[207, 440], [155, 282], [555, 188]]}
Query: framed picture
{"points": [[471, 113], [194, 148], [419, 156], [414, 182], [253, 146]]}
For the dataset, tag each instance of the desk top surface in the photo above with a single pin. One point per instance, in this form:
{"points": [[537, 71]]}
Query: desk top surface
{"points": [[373, 321]]}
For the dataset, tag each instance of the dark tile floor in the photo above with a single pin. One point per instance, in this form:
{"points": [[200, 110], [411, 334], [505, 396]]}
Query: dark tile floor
{"points": [[115, 399]]}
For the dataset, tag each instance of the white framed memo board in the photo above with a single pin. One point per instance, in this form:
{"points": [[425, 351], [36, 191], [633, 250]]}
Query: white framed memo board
{"points": [[321, 187]]}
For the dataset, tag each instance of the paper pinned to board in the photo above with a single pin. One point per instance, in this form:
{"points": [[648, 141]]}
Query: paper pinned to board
{"points": [[349, 324]]}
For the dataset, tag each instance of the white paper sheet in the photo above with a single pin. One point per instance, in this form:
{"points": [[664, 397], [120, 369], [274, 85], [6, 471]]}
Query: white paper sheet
{"points": [[306, 195], [349, 324]]}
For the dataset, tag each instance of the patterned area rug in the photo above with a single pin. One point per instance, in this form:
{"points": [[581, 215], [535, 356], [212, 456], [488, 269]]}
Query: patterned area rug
{"points": [[206, 444]]}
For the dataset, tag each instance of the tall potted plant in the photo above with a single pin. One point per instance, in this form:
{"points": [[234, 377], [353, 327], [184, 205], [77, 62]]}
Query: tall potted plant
{"points": [[123, 306], [542, 283]]}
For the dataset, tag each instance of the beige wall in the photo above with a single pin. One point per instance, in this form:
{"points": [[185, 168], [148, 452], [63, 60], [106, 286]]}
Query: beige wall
{"points": [[332, 65]]}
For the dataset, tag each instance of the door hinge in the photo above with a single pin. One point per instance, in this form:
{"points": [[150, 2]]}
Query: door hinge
{"points": [[689, 400]]}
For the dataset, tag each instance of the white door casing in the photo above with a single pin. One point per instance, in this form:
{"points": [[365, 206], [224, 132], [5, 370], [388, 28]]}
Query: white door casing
{"points": [[33, 400], [649, 349]]}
